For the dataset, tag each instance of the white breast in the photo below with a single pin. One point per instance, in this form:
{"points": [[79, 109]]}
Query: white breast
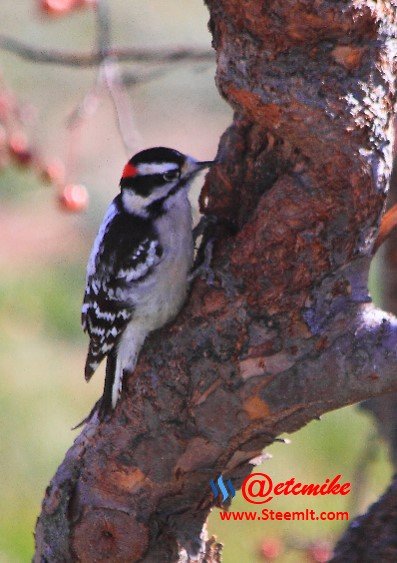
{"points": [[159, 298], [162, 295]]}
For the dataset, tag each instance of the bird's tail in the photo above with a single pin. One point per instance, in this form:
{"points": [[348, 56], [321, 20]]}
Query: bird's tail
{"points": [[94, 358], [122, 358], [106, 403], [104, 406]]}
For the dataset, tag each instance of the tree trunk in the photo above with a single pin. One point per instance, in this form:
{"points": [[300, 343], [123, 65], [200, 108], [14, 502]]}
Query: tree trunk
{"points": [[289, 332]]}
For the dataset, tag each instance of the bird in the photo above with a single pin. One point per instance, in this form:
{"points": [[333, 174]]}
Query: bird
{"points": [[139, 268]]}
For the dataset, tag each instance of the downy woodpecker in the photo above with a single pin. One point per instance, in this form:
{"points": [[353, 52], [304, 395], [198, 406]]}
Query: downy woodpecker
{"points": [[138, 270]]}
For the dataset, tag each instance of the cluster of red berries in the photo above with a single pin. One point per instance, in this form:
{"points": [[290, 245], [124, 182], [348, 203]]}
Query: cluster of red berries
{"points": [[14, 143], [15, 148]]}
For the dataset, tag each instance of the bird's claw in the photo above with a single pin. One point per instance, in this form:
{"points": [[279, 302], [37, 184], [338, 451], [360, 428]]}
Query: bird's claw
{"points": [[204, 269]]}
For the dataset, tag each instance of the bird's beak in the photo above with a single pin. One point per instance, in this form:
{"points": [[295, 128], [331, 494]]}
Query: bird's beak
{"points": [[205, 163], [191, 166]]}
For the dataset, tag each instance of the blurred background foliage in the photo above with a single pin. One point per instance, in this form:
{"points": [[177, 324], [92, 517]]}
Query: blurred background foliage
{"points": [[43, 253]]}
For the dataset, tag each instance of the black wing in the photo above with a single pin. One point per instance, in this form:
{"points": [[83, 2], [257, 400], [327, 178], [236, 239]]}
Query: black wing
{"points": [[122, 256]]}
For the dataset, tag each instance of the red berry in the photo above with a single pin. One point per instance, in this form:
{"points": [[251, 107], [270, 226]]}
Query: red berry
{"points": [[320, 551], [59, 7], [74, 198], [19, 149], [271, 548]]}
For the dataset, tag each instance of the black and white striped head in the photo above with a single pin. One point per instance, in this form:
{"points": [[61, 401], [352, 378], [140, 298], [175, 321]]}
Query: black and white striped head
{"points": [[152, 177]]}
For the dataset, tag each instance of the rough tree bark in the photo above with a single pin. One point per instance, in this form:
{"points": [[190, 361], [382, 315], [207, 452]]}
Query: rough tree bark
{"points": [[291, 332]]}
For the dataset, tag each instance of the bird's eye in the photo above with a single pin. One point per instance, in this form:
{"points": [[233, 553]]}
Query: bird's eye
{"points": [[171, 175]]}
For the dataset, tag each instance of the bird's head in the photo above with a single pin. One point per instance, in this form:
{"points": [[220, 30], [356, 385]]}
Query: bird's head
{"points": [[154, 176]]}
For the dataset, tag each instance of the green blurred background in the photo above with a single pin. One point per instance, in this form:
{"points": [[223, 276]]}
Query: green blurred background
{"points": [[43, 253]]}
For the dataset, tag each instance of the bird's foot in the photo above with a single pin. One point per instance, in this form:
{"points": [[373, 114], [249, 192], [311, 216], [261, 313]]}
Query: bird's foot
{"points": [[204, 269]]}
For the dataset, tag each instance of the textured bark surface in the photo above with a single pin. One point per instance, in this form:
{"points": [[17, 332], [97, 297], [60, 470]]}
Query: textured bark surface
{"points": [[290, 333]]}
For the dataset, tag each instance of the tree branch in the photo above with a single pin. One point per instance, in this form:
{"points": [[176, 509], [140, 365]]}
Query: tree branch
{"points": [[290, 332], [54, 56], [110, 74], [107, 58], [112, 77]]}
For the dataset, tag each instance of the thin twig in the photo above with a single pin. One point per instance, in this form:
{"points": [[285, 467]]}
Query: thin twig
{"points": [[132, 79], [111, 77], [54, 56], [86, 108], [107, 58], [113, 80], [103, 23]]}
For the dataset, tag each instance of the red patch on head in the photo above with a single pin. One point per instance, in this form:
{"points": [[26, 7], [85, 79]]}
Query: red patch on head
{"points": [[129, 171]]}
